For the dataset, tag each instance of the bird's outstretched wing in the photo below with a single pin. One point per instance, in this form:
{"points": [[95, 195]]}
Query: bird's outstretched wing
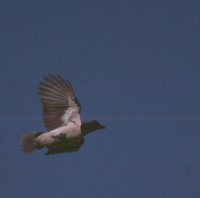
{"points": [[60, 105]]}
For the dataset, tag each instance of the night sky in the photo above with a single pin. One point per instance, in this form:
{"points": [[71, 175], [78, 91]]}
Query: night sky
{"points": [[135, 67]]}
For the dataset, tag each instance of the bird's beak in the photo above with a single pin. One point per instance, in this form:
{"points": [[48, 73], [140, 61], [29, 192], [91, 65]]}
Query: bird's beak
{"points": [[102, 127]]}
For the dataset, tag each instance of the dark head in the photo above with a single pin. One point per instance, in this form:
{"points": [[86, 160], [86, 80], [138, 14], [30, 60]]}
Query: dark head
{"points": [[88, 127]]}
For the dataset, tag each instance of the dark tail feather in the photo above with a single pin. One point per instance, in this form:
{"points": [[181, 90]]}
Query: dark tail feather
{"points": [[28, 142]]}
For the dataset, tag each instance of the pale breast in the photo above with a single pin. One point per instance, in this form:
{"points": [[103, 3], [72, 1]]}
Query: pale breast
{"points": [[72, 130]]}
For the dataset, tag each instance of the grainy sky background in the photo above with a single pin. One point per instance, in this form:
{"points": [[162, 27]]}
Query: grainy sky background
{"points": [[135, 66]]}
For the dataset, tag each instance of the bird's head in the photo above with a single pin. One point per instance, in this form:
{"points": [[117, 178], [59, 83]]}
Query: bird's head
{"points": [[92, 126], [95, 125]]}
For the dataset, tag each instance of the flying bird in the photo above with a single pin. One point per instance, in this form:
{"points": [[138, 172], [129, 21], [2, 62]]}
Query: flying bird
{"points": [[61, 116]]}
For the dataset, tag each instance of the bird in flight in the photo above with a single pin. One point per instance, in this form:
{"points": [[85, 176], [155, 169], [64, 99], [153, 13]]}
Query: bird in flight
{"points": [[61, 115]]}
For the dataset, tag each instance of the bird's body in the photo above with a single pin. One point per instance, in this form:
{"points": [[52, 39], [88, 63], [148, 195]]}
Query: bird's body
{"points": [[61, 110]]}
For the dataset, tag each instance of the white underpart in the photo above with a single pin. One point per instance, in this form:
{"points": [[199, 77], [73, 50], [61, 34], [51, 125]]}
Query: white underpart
{"points": [[71, 115], [70, 131], [71, 128]]}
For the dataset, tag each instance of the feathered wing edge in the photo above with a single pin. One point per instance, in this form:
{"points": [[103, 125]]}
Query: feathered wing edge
{"points": [[56, 95]]}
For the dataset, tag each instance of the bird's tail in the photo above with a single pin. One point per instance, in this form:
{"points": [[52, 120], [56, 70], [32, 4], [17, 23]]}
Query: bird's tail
{"points": [[28, 142]]}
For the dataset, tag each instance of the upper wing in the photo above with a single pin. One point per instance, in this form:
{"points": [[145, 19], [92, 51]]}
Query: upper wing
{"points": [[60, 105]]}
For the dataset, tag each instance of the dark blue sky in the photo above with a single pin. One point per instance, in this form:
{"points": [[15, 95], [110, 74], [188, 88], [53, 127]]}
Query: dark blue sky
{"points": [[135, 66]]}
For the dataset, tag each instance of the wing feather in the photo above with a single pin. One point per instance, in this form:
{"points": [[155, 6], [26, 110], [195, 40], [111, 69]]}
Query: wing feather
{"points": [[59, 101]]}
